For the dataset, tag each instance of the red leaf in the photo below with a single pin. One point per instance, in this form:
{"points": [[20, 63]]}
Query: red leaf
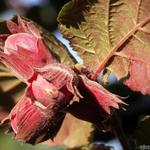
{"points": [[104, 98], [139, 80]]}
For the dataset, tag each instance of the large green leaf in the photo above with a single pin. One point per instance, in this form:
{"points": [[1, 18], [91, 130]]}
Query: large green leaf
{"points": [[112, 35]]}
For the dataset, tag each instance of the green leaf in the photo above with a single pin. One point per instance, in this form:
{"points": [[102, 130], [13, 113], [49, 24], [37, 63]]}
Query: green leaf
{"points": [[142, 133], [111, 35]]}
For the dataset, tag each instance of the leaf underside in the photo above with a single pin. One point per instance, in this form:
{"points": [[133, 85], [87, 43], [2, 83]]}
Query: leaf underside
{"points": [[111, 35]]}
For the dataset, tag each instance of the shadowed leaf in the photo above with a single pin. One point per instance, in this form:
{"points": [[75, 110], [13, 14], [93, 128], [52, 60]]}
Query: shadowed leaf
{"points": [[112, 35]]}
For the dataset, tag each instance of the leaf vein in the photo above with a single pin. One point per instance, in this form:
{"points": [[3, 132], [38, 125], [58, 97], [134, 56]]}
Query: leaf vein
{"points": [[138, 11], [118, 45]]}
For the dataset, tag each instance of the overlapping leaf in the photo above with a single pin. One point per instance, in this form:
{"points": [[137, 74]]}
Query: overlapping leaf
{"points": [[113, 35]]}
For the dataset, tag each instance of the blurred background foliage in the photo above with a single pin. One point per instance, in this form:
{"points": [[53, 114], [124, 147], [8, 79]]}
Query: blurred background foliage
{"points": [[44, 12], [7, 143]]}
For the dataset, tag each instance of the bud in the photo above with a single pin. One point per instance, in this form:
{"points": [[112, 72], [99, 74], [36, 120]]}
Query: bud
{"points": [[96, 104], [52, 88], [40, 112], [24, 48]]}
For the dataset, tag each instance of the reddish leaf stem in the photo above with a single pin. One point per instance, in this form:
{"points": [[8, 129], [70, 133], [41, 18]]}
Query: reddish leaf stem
{"points": [[117, 46]]}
